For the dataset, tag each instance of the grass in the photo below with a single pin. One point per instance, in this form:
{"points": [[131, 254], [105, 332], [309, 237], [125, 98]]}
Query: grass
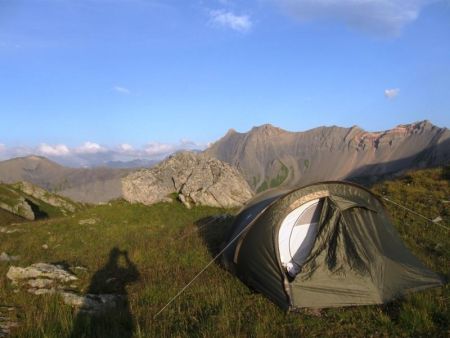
{"points": [[7, 218], [164, 247]]}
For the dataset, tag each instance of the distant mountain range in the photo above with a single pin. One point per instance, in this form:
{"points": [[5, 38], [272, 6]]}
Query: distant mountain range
{"points": [[269, 156], [87, 185]]}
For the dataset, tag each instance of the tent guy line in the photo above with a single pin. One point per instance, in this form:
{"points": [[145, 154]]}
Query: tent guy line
{"points": [[202, 270], [416, 213]]}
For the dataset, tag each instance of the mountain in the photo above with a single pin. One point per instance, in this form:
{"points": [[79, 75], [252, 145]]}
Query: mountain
{"points": [[269, 156], [134, 164], [91, 185]]}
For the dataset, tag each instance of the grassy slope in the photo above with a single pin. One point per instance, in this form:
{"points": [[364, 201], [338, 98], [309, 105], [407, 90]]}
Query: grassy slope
{"points": [[7, 218], [217, 304]]}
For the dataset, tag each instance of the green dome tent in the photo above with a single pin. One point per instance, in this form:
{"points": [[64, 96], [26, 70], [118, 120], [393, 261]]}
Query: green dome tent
{"points": [[324, 245]]}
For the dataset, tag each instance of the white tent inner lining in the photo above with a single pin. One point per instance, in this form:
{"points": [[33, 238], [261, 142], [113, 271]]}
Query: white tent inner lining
{"points": [[297, 234]]}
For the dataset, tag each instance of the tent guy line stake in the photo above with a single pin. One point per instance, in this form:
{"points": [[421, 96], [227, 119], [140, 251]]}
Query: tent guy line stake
{"points": [[415, 213], [202, 270]]}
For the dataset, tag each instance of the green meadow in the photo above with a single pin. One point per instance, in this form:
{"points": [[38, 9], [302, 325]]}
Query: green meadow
{"points": [[165, 245]]}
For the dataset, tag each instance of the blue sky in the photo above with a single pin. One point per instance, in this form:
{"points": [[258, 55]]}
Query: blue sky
{"points": [[142, 78]]}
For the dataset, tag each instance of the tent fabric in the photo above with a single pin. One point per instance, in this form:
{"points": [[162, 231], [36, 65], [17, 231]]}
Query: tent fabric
{"points": [[356, 257]]}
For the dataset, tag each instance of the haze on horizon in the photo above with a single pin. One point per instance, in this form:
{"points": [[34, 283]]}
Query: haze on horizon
{"points": [[143, 78]]}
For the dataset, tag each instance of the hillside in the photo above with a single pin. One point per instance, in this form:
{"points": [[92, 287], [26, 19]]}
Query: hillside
{"points": [[269, 156], [23, 200], [85, 185], [151, 252]]}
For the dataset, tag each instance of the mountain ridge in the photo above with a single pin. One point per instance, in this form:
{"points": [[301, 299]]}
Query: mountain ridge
{"points": [[269, 156]]}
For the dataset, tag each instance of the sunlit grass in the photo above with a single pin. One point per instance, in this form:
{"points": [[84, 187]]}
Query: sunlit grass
{"points": [[162, 243]]}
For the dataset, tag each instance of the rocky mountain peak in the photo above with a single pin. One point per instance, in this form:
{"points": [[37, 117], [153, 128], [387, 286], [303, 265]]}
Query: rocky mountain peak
{"points": [[267, 130]]}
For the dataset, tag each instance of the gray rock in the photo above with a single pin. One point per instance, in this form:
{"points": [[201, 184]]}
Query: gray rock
{"points": [[8, 320], [90, 221], [4, 257], [6, 230], [196, 178], [40, 270], [20, 207], [38, 292], [43, 279], [40, 283], [92, 303]]}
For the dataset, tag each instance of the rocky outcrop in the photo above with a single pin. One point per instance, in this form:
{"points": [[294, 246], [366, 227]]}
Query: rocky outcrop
{"points": [[40, 271], [43, 195], [44, 278], [195, 179], [31, 202], [15, 203]]}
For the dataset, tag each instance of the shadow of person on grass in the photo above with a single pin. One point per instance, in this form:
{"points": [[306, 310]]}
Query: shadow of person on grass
{"points": [[109, 282]]}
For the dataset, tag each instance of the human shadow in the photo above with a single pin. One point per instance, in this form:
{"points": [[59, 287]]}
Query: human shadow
{"points": [[105, 311]]}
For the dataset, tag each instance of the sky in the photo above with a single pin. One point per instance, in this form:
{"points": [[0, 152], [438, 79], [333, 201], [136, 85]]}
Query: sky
{"points": [[142, 78]]}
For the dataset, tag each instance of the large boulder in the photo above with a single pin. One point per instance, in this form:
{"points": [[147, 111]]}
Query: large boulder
{"points": [[195, 178]]}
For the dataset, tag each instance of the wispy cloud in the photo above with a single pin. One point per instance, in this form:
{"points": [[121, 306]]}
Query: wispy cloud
{"points": [[223, 18], [391, 93], [2, 147], [382, 17], [121, 90]]}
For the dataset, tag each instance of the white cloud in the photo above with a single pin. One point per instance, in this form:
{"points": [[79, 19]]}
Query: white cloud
{"points": [[391, 93], [92, 154], [121, 90], [90, 148], [159, 149], [125, 147], [56, 150], [383, 17], [240, 23]]}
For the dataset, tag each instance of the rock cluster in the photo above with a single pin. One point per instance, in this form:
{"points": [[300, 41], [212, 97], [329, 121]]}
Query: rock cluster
{"points": [[43, 278], [195, 179]]}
